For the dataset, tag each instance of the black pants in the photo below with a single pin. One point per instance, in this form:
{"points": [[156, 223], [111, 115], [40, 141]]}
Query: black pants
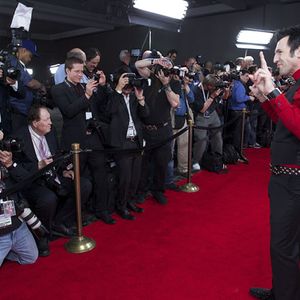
{"points": [[94, 163], [284, 193], [235, 128], [49, 207], [129, 170], [158, 157]]}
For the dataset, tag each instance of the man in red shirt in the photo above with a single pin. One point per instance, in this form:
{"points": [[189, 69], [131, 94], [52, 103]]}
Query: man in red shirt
{"points": [[284, 186]]}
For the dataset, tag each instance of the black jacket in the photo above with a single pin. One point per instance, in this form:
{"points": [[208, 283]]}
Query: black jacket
{"points": [[118, 117]]}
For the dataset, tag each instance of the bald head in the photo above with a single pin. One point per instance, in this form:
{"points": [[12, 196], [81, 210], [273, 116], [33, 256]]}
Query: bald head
{"points": [[77, 53]]}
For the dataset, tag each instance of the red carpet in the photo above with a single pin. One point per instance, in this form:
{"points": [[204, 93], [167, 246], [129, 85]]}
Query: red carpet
{"points": [[210, 245]]}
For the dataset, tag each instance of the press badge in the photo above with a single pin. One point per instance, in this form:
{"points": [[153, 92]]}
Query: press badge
{"points": [[7, 210], [130, 131], [88, 115]]}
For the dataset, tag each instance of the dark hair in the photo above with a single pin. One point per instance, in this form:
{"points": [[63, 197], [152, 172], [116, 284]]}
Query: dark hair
{"points": [[172, 51], [121, 70], [35, 112], [244, 71], [71, 61], [252, 69], [92, 53], [294, 36]]}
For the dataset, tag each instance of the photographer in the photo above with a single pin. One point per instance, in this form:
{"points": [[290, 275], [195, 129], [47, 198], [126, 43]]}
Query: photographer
{"points": [[125, 110], [80, 105], [51, 196], [236, 104], [20, 107], [8, 87], [160, 96], [207, 98], [180, 115], [16, 241]]}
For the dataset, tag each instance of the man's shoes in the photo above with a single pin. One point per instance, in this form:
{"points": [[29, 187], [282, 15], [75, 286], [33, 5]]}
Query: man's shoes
{"points": [[159, 197], [43, 246], [106, 218], [257, 146], [63, 231], [131, 206], [172, 186], [261, 293], [243, 159], [140, 198], [125, 214], [196, 167]]}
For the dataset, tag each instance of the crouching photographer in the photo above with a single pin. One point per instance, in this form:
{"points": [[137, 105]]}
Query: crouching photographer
{"points": [[16, 241], [51, 196]]}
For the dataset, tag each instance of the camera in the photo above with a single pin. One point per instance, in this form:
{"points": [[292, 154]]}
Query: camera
{"points": [[230, 76], [139, 83], [96, 77], [11, 145], [220, 84], [52, 184], [26, 214], [10, 71]]}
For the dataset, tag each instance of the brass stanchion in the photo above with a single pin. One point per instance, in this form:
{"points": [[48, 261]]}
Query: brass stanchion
{"points": [[244, 111], [190, 187], [79, 243]]}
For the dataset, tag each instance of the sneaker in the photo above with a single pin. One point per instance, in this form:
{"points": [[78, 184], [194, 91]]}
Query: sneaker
{"points": [[257, 145], [196, 167]]}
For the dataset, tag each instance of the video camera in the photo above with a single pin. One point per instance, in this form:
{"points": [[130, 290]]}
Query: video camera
{"points": [[5, 54]]}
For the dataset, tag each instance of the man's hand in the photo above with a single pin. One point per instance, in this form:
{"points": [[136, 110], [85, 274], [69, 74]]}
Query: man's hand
{"points": [[10, 81], [90, 87], [68, 174], [123, 80], [163, 79], [44, 162], [216, 93], [257, 93], [6, 158], [102, 78], [262, 78], [164, 62]]}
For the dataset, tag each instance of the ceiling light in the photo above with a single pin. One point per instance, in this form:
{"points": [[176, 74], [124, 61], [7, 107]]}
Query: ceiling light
{"points": [[252, 36], [53, 68], [251, 46], [170, 8]]}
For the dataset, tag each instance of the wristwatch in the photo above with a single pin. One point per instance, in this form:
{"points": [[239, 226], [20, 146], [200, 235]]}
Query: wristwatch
{"points": [[276, 92]]}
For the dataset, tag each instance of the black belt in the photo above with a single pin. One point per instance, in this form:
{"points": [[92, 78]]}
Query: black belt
{"points": [[155, 126], [278, 170]]}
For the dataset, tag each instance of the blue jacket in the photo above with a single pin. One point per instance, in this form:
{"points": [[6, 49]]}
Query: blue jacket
{"points": [[238, 98]]}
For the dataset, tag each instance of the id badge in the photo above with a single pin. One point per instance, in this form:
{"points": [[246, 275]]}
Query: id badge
{"points": [[9, 208], [5, 221], [130, 131], [88, 115]]}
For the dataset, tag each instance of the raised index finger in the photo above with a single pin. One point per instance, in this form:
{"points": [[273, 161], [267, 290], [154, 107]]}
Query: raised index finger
{"points": [[263, 63]]}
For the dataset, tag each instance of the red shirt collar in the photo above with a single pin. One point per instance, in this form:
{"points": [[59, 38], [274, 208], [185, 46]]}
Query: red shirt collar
{"points": [[296, 75]]}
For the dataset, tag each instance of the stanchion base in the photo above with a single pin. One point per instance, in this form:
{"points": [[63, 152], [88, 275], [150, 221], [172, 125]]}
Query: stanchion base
{"points": [[80, 244], [189, 188]]}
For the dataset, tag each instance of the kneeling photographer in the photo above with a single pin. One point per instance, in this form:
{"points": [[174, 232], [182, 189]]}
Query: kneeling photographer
{"points": [[51, 196], [16, 241], [125, 109], [207, 97]]}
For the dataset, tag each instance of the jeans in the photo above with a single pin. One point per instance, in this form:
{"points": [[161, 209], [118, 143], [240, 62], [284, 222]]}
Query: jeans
{"points": [[18, 245]]}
